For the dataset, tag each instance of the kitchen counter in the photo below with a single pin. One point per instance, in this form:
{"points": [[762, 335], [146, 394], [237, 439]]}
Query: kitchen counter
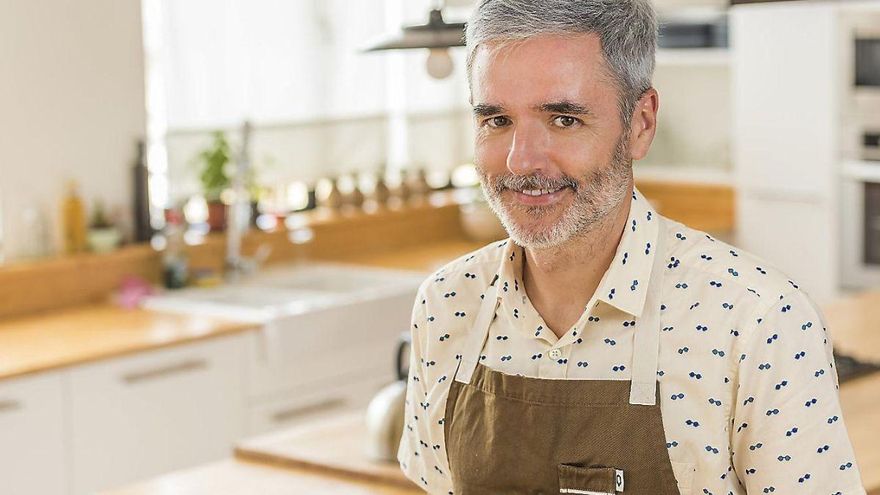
{"points": [[238, 477], [88, 333]]}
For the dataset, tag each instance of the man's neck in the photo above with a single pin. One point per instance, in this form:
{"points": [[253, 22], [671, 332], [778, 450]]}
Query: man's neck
{"points": [[561, 280]]}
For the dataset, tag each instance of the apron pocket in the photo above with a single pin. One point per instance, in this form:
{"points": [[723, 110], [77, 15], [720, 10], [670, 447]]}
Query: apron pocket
{"points": [[589, 480], [684, 475]]}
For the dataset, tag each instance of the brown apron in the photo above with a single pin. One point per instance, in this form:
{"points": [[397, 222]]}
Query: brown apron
{"points": [[512, 434]]}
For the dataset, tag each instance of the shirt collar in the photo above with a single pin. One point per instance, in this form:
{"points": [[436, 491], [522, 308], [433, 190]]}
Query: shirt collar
{"points": [[624, 284]]}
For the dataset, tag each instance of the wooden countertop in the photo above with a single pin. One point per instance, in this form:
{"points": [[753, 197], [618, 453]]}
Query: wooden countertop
{"points": [[90, 333], [854, 323], [238, 477]]}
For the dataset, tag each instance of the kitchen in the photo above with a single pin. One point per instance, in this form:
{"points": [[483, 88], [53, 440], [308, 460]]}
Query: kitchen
{"points": [[200, 200]]}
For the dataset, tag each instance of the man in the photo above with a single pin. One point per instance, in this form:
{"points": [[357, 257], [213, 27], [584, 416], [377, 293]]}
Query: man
{"points": [[603, 348]]}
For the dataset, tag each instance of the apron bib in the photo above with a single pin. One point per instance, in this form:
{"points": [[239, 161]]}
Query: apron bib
{"points": [[522, 435]]}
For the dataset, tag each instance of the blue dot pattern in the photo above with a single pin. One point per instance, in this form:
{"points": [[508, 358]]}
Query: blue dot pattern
{"points": [[749, 391]]}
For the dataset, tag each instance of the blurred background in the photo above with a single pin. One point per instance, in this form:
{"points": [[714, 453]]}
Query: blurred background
{"points": [[206, 206]]}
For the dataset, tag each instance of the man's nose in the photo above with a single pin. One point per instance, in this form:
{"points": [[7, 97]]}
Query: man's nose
{"points": [[527, 153]]}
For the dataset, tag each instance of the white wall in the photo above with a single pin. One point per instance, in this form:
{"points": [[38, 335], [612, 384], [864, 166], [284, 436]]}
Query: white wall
{"points": [[71, 106]]}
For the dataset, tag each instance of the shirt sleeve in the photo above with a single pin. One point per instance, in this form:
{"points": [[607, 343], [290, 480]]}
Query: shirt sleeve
{"points": [[417, 458], [788, 433]]}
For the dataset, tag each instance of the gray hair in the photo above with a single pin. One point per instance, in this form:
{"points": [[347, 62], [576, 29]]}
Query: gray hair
{"points": [[627, 30]]}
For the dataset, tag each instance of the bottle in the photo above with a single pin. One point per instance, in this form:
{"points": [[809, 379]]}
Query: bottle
{"points": [[73, 220], [333, 198], [381, 193], [419, 184], [143, 231]]}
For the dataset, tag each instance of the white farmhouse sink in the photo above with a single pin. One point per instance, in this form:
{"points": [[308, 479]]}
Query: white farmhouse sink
{"points": [[288, 290]]}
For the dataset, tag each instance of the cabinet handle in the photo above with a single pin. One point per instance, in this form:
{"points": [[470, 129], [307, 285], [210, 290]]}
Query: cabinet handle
{"points": [[172, 369], [293, 412], [9, 405]]}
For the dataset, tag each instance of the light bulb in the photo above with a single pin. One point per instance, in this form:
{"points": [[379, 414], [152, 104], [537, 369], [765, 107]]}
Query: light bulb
{"points": [[439, 63]]}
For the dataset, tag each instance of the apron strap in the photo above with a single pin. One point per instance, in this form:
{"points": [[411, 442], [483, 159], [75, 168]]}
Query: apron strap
{"points": [[646, 340], [473, 346]]}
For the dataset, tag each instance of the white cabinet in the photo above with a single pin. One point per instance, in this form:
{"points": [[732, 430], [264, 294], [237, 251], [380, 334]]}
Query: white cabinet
{"points": [[32, 458], [786, 103], [154, 412]]}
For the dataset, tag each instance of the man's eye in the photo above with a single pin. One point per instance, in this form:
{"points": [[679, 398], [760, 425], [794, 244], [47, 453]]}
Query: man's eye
{"points": [[499, 121], [565, 121]]}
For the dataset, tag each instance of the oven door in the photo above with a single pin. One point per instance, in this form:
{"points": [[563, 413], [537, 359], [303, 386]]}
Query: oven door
{"points": [[860, 249]]}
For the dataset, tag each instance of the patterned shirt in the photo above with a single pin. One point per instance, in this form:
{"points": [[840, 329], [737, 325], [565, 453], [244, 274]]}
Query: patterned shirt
{"points": [[748, 388]]}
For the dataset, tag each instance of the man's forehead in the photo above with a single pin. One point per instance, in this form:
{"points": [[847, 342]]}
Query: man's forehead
{"points": [[538, 71]]}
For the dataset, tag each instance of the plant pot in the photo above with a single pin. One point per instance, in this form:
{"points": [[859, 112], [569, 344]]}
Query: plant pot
{"points": [[103, 240], [216, 216]]}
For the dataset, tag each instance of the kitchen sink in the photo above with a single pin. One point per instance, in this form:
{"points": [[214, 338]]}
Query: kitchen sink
{"points": [[288, 290], [326, 336]]}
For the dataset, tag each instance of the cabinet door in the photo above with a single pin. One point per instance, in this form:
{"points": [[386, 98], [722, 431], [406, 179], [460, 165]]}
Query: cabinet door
{"points": [[150, 413], [32, 436]]}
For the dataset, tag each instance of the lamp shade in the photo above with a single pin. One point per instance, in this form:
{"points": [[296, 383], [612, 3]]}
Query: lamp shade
{"points": [[437, 33]]}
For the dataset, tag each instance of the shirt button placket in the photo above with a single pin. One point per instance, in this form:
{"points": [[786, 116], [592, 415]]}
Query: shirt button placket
{"points": [[551, 367]]}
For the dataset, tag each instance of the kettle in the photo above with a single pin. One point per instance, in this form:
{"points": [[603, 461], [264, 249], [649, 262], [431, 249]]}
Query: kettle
{"points": [[385, 414]]}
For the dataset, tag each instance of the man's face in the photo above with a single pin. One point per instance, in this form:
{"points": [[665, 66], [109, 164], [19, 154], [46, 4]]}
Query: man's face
{"points": [[550, 147]]}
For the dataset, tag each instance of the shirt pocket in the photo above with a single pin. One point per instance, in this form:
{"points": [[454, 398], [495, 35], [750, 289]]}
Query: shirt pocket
{"points": [[589, 480], [684, 476]]}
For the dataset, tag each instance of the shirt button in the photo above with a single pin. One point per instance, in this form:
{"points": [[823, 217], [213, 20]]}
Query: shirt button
{"points": [[555, 353]]}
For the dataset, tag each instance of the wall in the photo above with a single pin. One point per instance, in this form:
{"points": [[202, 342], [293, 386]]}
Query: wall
{"points": [[72, 100]]}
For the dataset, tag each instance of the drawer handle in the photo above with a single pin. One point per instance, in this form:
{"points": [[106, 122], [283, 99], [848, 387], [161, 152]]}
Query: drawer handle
{"points": [[173, 369], [9, 405], [288, 414]]}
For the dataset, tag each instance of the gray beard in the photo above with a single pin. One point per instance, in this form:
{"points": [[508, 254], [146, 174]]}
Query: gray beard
{"points": [[595, 196]]}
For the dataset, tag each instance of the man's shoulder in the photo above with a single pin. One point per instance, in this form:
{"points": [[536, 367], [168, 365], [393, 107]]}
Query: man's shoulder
{"points": [[696, 252], [476, 269]]}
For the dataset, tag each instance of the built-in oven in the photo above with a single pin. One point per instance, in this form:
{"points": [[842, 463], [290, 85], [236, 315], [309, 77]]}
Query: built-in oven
{"points": [[860, 150]]}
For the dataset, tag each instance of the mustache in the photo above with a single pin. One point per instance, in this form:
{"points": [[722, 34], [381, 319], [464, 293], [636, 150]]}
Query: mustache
{"points": [[522, 182]]}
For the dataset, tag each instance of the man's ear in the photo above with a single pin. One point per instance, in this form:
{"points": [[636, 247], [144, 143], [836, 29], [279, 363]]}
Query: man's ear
{"points": [[643, 124]]}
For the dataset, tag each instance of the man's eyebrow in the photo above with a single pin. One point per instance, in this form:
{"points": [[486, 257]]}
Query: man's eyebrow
{"points": [[484, 110], [566, 107]]}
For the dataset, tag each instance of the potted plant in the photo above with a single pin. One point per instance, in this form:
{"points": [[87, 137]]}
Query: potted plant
{"points": [[103, 236], [214, 176]]}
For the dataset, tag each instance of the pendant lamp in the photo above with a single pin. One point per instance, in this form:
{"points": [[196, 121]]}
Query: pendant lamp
{"points": [[437, 36]]}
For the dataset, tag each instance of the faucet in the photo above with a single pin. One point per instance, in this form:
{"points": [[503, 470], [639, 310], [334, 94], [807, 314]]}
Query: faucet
{"points": [[239, 216]]}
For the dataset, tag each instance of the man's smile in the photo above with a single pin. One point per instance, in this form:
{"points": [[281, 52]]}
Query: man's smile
{"points": [[540, 197]]}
